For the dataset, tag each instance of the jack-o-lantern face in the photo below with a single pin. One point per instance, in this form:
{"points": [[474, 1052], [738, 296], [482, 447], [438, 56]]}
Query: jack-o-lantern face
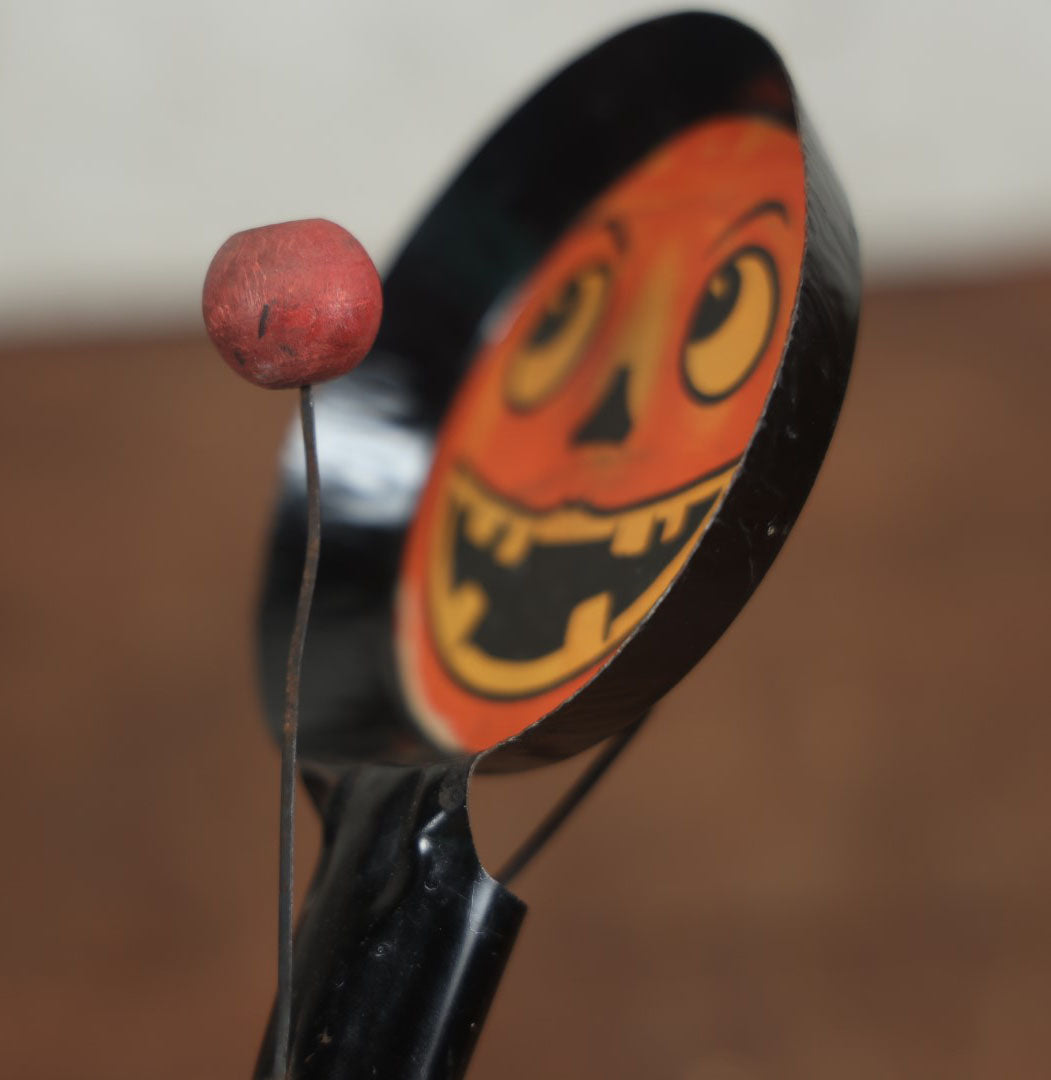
{"points": [[598, 428]]}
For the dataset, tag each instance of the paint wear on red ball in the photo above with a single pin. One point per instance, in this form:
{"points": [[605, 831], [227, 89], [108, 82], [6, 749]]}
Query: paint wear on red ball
{"points": [[292, 304]]}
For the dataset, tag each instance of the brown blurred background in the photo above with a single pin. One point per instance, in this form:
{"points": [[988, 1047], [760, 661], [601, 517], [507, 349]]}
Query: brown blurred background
{"points": [[827, 856]]}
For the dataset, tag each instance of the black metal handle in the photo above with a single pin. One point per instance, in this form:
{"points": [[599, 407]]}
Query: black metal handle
{"points": [[404, 936]]}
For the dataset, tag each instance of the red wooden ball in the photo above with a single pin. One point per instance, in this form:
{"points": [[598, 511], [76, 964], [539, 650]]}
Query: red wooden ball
{"points": [[292, 304]]}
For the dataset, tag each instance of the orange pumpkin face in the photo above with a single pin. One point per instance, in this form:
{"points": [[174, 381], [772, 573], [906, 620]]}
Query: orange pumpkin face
{"points": [[598, 428]]}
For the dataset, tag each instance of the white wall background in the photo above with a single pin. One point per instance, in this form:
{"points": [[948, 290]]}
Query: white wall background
{"points": [[137, 134]]}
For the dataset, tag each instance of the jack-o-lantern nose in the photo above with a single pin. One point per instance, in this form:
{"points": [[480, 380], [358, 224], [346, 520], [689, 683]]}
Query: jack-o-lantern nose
{"points": [[610, 421]]}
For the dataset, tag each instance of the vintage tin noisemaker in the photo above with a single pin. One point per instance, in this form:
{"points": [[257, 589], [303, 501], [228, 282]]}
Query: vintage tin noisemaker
{"points": [[609, 366]]}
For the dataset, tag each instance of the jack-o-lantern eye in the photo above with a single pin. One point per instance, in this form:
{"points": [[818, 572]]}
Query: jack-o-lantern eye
{"points": [[557, 338], [731, 324]]}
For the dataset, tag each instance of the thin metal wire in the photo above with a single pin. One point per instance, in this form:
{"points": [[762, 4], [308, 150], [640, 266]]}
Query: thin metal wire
{"points": [[289, 732], [556, 817]]}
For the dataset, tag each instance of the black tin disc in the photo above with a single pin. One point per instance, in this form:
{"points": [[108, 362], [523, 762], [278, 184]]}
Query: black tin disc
{"points": [[611, 361]]}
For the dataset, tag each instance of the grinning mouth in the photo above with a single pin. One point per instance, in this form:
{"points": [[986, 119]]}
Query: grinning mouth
{"points": [[522, 600], [532, 596]]}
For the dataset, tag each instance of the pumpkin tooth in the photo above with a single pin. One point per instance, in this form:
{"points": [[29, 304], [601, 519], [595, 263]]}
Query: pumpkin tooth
{"points": [[484, 519], [631, 535], [514, 544], [465, 606], [587, 626], [674, 519]]}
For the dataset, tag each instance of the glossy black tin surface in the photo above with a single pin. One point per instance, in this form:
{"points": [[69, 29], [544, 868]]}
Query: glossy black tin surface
{"points": [[404, 936]]}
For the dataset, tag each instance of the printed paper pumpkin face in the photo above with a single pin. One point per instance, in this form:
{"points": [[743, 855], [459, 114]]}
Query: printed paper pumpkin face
{"points": [[597, 429]]}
